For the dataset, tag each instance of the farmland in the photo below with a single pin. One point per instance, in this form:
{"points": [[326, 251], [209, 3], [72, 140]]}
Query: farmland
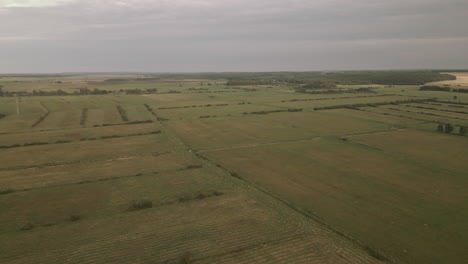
{"points": [[190, 168]]}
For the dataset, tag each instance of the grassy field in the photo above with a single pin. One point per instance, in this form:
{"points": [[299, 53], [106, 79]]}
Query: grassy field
{"points": [[198, 171]]}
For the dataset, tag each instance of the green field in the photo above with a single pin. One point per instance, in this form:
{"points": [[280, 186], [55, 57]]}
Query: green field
{"points": [[198, 171]]}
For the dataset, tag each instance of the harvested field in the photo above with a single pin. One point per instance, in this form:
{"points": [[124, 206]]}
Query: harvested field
{"points": [[145, 169]]}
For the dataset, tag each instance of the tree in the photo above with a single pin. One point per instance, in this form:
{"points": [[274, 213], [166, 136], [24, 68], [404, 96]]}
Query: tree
{"points": [[463, 130], [440, 128], [448, 128]]}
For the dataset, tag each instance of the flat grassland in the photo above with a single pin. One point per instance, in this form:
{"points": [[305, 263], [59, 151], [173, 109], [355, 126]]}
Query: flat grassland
{"points": [[204, 172]]}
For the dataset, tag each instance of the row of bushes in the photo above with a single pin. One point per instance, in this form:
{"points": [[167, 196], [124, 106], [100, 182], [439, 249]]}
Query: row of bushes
{"points": [[30, 225], [426, 113], [334, 98], [127, 123], [250, 82], [188, 106], [83, 139], [141, 204], [374, 104], [130, 135], [389, 114], [40, 119], [442, 89], [338, 91], [451, 102], [84, 116], [434, 88], [260, 112], [122, 113], [273, 111], [449, 128], [154, 113], [198, 89], [449, 105], [81, 91], [437, 109]]}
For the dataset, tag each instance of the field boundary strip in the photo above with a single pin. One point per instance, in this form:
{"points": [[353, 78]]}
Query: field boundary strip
{"points": [[42, 117], [351, 106], [258, 144], [436, 109], [184, 168], [75, 141], [426, 113], [44, 165], [78, 127]]}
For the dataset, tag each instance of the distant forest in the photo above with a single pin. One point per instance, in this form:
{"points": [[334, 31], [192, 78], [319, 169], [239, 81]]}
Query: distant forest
{"points": [[324, 79], [333, 78]]}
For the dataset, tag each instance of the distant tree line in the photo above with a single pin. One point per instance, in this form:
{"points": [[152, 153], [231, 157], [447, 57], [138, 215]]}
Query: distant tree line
{"points": [[81, 91], [443, 89], [449, 128], [319, 85], [307, 89], [250, 82], [346, 77]]}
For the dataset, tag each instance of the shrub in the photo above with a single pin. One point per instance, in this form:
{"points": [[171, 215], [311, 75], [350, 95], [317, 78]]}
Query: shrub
{"points": [[200, 196], [62, 141], [184, 199], [235, 175], [6, 191], [34, 143], [139, 205], [189, 167], [74, 218], [375, 253], [186, 258], [27, 226]]}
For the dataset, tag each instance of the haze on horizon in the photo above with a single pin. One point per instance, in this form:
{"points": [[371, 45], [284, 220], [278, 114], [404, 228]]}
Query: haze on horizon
{"points": [[222, 35]]}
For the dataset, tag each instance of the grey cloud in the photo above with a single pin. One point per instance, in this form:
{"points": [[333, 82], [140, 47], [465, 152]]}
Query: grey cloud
{"points": [[226, 35]]}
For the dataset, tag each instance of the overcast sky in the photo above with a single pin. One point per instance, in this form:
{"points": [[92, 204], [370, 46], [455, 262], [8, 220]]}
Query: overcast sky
{"points": [[231, 35]]}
